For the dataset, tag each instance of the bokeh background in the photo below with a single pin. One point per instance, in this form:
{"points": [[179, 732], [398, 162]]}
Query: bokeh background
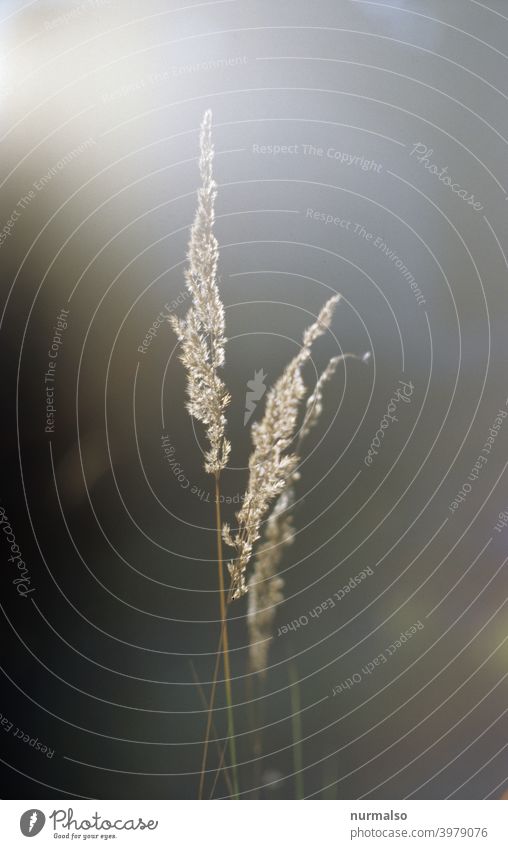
{"points": [[101, 104]]}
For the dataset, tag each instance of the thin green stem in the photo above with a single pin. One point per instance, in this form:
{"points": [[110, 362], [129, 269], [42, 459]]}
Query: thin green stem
{"points": [[213, 730], [225, 641], [218, 771], [210, 715], [296, 727], [256, 702]]}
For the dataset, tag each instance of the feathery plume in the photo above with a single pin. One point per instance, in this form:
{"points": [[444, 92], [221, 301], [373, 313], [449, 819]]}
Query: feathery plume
{"points": [[314, 405], [265, 585], [201, 332], [270, 464]]}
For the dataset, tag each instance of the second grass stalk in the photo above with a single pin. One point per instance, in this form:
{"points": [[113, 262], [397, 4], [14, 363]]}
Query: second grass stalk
{"points": [[225, 641]]}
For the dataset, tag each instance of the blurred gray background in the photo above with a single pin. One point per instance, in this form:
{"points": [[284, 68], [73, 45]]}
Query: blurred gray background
{"points": [[332, 124]]}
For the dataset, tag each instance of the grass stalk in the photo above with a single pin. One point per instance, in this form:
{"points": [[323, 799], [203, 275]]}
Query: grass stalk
{"points": [[218, 772], [296, 728], [209, 717], [225, 641], [213, 731], [222, 652]]}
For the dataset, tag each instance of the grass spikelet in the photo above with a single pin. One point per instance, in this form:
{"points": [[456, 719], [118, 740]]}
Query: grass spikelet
{"points": [[201, 332], [271, 464], [265, 585]]}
